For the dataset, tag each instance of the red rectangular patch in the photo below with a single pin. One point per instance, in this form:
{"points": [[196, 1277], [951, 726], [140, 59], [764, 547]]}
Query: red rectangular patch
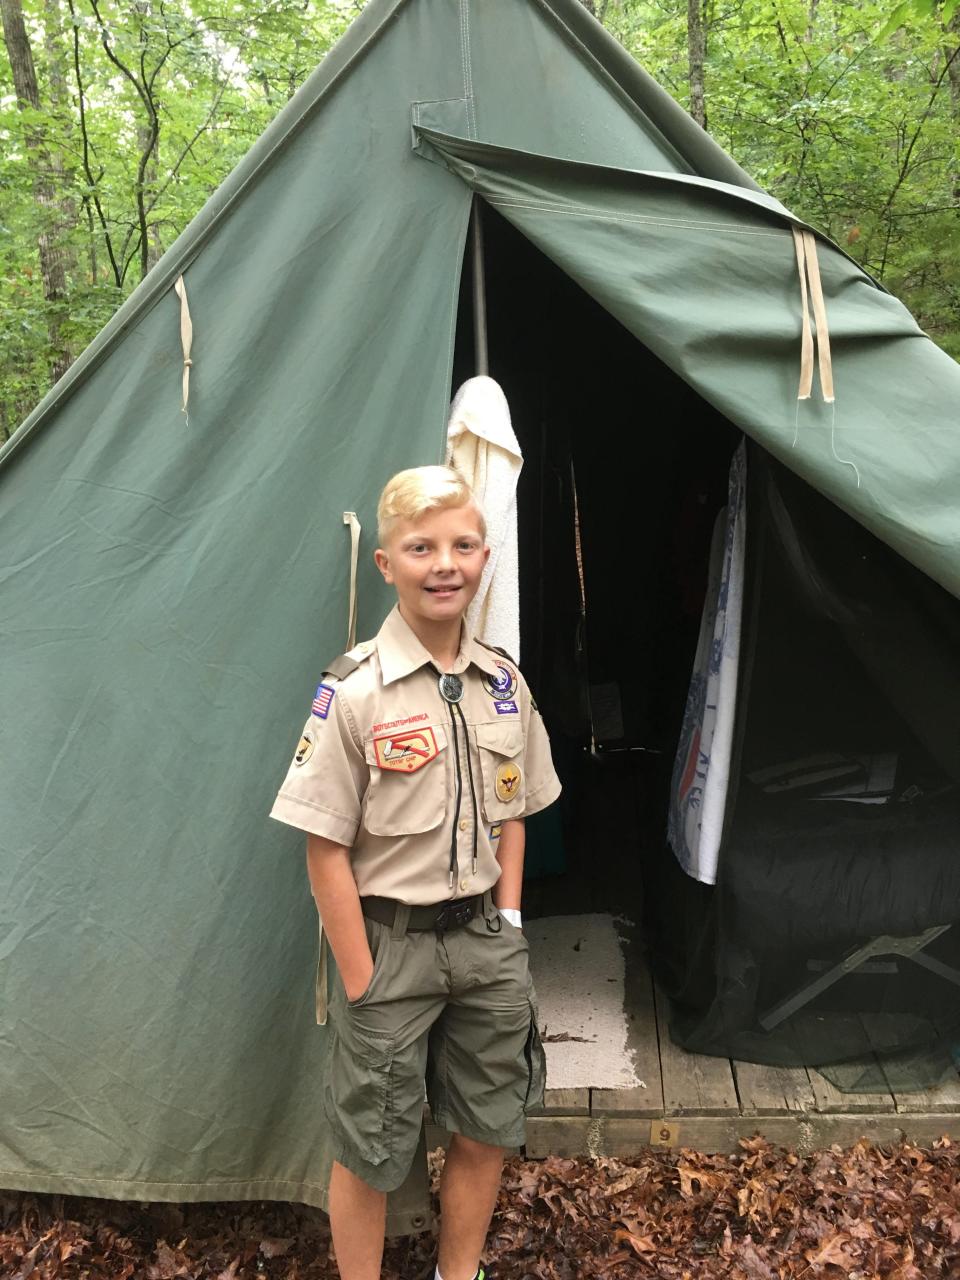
{"points": [[408, 751]]}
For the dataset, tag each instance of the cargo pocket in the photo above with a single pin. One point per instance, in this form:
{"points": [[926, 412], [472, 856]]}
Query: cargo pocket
{"points": [[500, 747], [407, 793], [536, 1064], [360, 1091]]}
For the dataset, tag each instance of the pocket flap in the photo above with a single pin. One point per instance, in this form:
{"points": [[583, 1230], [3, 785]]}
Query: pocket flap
{"points": [[505, 739]]}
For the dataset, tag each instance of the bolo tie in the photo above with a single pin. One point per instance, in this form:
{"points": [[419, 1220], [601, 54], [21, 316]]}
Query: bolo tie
{"points": [[451, 690]]}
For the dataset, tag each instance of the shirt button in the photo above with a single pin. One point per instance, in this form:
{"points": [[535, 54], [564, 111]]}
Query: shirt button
{"points": [[464, 884], [464, 824]]}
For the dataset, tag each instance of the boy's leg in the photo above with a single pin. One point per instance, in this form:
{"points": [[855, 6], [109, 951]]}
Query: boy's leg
{"points": [[358, 1216], [468, 1195]]}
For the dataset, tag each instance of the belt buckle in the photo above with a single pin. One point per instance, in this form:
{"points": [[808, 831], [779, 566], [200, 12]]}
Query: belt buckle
{"points": [[453, 916], [462, 914]]}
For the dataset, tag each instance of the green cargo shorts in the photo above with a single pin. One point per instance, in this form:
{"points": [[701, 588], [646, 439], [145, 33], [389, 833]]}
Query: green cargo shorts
{"points": [[455, 1010]]}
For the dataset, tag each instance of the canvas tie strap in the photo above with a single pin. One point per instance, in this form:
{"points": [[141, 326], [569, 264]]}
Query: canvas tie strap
{"points": [[350, 518], [808, 267], [186, 339], [347, 665]]}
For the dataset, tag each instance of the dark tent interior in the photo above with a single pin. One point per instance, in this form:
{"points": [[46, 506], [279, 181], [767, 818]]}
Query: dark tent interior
{"points": [[829, 939]]}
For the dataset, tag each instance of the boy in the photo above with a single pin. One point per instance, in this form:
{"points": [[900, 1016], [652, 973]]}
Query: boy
{"points": [[422, 756]]}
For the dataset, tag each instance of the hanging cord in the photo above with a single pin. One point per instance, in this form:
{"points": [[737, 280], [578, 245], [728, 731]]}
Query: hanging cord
{"points": [[350, 518], [456, 808], [473, 790], [186, 341], [582, 636], [808, 268]]}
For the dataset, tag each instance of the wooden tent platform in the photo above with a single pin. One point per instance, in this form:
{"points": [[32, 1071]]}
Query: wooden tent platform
{"points": [[708, 1103]]}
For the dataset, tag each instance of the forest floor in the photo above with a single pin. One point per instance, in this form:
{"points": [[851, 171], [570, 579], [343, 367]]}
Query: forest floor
{"points": [[761, 1214]]}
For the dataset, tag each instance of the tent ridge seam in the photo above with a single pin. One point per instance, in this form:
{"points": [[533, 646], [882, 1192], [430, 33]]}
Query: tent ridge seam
{"points": [[467, 66], [614, 84]]}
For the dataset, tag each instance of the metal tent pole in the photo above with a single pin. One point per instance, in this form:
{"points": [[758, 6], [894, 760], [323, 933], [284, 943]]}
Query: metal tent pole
{"points": [[480, 355]]}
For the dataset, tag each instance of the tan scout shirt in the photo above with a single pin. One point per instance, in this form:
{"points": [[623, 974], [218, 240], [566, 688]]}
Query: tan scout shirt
{"points": [[376, 767]]}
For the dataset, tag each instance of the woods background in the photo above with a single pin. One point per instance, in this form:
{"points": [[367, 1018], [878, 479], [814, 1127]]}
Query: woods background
{"points": [[118, 119]]}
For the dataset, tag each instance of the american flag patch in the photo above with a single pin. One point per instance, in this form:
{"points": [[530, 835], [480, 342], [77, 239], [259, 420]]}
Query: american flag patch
{"points": [[321, 703]]}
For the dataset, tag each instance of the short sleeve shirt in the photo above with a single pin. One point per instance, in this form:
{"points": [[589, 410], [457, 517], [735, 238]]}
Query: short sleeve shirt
{"points": [[388, 767]]}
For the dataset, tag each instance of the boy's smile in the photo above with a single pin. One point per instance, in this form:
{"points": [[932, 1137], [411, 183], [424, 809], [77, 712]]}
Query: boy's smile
{"points": [[435, 563]]}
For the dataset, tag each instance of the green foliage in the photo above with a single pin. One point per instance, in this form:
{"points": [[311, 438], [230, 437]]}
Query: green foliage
{"points": [[111, 75], [855, 130], [846, 110]]}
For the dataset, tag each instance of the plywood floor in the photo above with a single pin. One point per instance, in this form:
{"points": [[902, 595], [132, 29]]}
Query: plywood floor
{"points": [[690, 1100], [708, 1103]]}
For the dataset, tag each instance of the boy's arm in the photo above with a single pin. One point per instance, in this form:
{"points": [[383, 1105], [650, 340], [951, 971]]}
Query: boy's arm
{"points": [[335, 893], [509, 888]]}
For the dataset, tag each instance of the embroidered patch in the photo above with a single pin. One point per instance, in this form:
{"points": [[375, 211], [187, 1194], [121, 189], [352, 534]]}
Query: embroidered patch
{"points": [[406, 752], [507, 708], [322, 700], [304, 750], [503, 686], [495, 831], [508, 782]]}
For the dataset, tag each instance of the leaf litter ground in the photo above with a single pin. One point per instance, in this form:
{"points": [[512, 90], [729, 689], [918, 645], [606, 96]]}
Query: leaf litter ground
{"points": [[760, 1214]]}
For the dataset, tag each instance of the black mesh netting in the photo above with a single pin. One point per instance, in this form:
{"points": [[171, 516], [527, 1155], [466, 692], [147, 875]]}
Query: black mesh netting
{"points": [[829, 939]]}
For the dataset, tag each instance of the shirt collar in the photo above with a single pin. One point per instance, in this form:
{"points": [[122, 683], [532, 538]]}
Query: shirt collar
{"points": [[400, 651]]}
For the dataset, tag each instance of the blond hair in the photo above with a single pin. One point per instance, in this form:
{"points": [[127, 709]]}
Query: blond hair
{"points": [[412, 493]]}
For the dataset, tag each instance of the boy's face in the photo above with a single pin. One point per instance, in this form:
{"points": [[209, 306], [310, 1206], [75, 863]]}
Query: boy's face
{"points": [[435, 563]]}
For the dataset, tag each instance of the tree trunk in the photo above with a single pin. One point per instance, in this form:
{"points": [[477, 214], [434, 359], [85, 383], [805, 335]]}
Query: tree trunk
{"points": [[146, 141], [951, 51], [812, 7], [697, 52], [61, 107], [52, 268]]}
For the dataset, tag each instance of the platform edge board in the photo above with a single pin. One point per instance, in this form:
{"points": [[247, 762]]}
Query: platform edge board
{"points": [[600, 1136], [564, 1102]]}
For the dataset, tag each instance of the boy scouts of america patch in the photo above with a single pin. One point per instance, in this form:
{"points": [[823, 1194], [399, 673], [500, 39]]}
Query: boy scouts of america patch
{"points": [[508, 782], [322, 700], [502, 686], [406, 752], [304, 750]]}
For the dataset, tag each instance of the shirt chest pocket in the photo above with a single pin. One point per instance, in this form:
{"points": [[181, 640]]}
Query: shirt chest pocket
{"points": [[500, 747], [407, 792]]}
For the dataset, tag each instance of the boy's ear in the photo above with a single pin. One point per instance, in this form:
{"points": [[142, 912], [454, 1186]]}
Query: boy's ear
{"points": [[486, 553], [382, 561]]}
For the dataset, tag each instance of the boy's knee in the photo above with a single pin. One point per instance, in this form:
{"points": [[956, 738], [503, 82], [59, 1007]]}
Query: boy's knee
{"points": [[474, 1150]]}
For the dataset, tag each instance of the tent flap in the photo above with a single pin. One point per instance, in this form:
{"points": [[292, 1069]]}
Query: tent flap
{"points": [[705, 275]]}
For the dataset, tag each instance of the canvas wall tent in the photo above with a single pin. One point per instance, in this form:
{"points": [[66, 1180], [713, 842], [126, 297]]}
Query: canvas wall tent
{"points": [[170, 584]]}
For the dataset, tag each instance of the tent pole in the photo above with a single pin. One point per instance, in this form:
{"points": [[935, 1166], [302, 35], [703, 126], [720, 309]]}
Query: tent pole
{"points": [[480, 357]]}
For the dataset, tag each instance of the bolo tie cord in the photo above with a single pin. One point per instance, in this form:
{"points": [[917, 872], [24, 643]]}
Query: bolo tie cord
{"points": [[456, 812], [473, 792]]}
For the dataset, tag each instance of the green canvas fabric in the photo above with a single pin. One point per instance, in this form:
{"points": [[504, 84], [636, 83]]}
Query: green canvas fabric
{"points": [[705, 275], [171, 585]]}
